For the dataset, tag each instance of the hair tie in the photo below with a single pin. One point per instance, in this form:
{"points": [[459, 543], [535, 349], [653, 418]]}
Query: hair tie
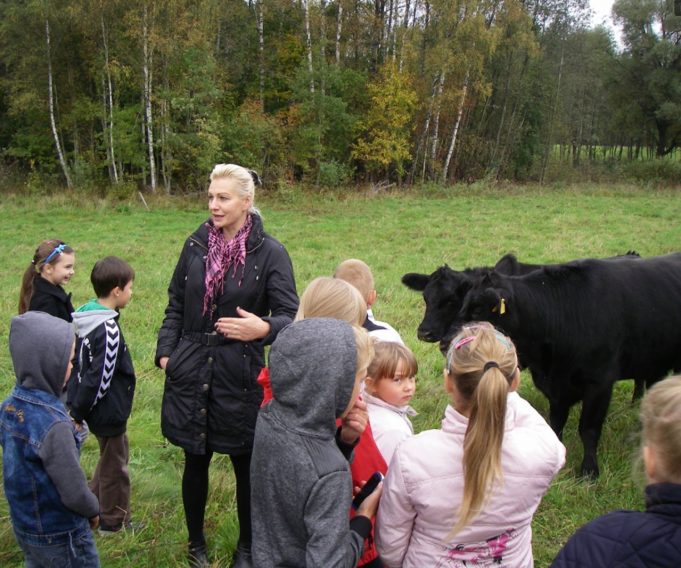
{"points": [[256, 177], [55, 252], [489, 365]]}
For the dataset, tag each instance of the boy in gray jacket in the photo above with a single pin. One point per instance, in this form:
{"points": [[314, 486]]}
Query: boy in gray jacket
{"points": [[51, 507], [301, 487]]}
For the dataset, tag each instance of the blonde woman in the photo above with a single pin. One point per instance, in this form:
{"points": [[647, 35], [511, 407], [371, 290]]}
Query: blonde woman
{"points": [[232, 292], [464, 495]]}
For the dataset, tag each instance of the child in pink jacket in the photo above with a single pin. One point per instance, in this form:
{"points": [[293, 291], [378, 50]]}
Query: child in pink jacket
{"points": [[388, 389], [465, 495]]}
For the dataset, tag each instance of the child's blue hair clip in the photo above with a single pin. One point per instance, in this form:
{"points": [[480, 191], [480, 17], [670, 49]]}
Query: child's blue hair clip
{"points": [[57, 250]]}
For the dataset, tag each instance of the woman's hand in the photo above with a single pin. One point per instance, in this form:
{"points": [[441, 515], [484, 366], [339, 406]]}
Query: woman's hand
{"points": [[246, 327], [162, 362]]}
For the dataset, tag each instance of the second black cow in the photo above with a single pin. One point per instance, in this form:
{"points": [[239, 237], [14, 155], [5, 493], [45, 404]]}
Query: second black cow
{"points": [[582, 325]]}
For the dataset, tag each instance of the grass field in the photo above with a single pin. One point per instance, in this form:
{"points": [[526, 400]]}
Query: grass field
{"points": [[394, 233]]}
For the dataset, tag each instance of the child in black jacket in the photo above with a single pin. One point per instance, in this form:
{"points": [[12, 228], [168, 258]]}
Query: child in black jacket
{"points": [[642, 539], [52, 266], [103, 386]]}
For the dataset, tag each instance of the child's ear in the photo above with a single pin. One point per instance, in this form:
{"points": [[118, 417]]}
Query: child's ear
{"points": [[448, 381], [371, 298], [649, 463], [369, 384]]}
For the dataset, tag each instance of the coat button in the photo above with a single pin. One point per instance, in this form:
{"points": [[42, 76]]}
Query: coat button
{"points": [[204, 386], [210, 360], [214, 307], [203, 411], [202, 435]]}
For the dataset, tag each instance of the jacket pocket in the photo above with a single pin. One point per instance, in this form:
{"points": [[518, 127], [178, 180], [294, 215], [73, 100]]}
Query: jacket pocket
{"points": [[182, 361]]}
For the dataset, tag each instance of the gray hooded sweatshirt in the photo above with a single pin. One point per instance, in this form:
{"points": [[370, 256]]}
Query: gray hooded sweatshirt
{"points": [[40, 345], [301, 487]]}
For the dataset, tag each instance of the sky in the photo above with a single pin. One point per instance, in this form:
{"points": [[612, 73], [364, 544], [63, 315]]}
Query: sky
{"points": [[602, 11]]}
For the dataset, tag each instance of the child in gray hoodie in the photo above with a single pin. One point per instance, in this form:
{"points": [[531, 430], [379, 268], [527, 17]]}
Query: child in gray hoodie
{"points": [[49, 500], [301, 487]]}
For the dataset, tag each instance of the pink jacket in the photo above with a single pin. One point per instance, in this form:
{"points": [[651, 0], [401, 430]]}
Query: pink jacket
{"points": [[424, 487], [389, 424]]}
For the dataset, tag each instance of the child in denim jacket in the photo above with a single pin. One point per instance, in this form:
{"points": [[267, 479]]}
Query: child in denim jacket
{"points": [[51, 506]]}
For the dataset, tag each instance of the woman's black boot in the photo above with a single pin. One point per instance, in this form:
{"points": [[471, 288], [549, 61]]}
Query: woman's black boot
{"points": [[198, 556]]}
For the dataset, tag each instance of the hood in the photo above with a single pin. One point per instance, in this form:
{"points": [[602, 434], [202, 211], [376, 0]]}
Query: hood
{"points": [[90, 315], [40, 345], [312, 371]]}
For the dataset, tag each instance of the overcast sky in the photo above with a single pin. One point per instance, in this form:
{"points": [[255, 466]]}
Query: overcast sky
{"points": [[602, 11]]}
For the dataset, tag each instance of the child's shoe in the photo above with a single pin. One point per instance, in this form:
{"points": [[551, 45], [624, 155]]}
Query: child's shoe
{"points": [[130, 526]]}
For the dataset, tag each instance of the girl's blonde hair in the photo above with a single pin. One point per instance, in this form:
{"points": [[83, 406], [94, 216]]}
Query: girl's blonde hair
{"points": [[387, 357], [661, 420], [327, 297], [246, 180], [48, 252], [365, 348], [483, 363]]}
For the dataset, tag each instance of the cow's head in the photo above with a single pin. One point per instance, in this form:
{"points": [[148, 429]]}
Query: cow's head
{"points": [[486, 301], [443, 293]]}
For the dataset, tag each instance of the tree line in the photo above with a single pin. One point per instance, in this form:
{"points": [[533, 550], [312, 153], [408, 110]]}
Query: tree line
{"points": [[330, 92]]}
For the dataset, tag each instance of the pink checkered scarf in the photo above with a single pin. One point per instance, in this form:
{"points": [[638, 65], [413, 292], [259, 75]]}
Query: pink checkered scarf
{"points": [[223, 255]]}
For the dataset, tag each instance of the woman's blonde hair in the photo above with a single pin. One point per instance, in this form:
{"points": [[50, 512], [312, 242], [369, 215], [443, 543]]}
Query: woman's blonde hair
{"points": [[483, 363], [246, 180], [327, 297], [661, 420], [387, 357]]}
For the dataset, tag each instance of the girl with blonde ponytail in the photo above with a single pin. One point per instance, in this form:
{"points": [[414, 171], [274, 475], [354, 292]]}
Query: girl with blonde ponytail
{"points": [[465, 494]]}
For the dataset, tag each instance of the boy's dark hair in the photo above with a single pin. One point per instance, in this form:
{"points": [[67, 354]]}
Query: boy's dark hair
{"points": [[108, 273]]}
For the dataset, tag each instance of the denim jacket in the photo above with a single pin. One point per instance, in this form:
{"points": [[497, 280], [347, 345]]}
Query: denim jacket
{"points": [[37, 511]]}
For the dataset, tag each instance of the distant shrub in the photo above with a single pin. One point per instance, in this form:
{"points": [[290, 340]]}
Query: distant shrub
{"points": [[334, 174], [654, 172]]}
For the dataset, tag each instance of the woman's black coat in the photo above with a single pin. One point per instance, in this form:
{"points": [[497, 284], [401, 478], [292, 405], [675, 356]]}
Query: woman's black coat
{"points": [[211, 396]]}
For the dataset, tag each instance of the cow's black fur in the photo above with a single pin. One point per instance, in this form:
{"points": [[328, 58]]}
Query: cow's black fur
{"points": [[582, 325]]}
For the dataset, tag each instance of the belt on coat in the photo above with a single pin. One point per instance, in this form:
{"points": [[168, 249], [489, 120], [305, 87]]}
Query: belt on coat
{"points": [[210, 339]]}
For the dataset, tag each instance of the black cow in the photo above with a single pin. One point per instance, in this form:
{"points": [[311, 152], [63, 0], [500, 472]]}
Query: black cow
{"points": [[445, 289], [582, 325]]}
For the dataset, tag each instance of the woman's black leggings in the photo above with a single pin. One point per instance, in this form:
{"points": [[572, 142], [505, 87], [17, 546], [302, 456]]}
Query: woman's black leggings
{"points": [[195, 494]]}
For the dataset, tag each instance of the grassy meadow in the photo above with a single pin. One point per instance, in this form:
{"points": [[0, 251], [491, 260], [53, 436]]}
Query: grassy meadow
{"points": [[394, 233]]}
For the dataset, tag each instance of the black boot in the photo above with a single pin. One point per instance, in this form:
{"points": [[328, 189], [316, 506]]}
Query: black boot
{"points": [[198, 556], [242, 557]]}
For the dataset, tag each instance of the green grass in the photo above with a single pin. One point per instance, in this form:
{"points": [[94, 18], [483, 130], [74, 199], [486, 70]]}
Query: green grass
{"points": [[394, 233]]}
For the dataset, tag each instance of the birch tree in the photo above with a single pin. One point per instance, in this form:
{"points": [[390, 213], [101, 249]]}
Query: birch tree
{"points": [[147, 70], [51, 102]]}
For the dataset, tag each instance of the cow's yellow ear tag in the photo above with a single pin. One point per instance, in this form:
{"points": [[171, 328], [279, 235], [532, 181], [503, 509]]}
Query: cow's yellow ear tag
{"points": [[502, 307]]}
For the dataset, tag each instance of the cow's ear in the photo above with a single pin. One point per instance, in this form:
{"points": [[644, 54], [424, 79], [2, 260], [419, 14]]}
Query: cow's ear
{"points": [[507, 264], [415, 281]]}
